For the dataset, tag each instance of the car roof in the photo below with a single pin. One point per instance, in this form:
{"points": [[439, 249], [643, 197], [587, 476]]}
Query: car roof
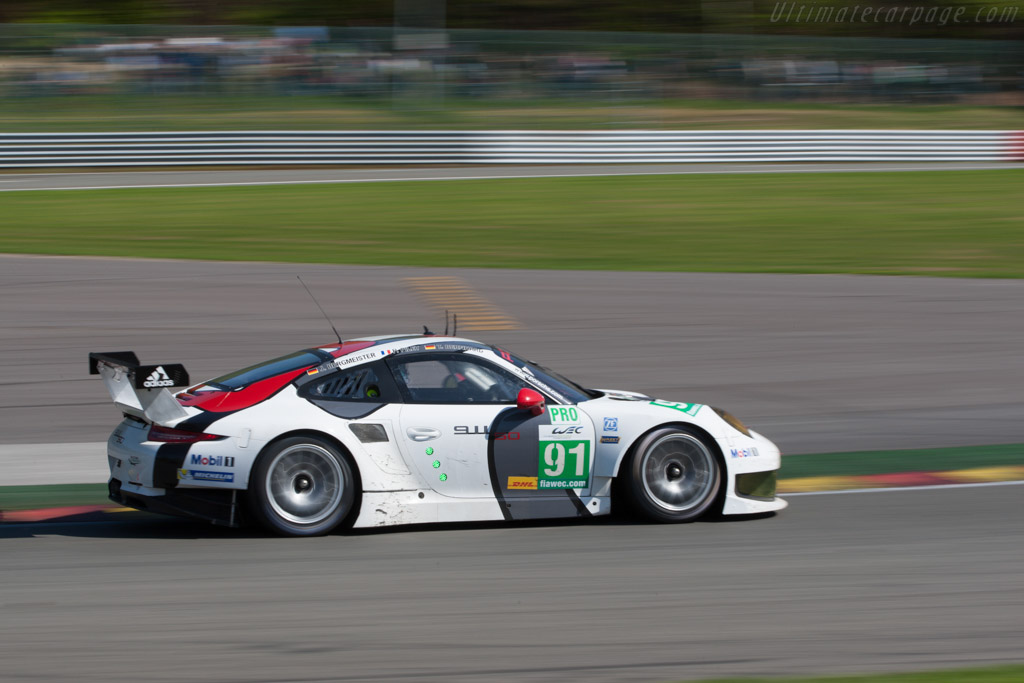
{"points": [[386, 344]]}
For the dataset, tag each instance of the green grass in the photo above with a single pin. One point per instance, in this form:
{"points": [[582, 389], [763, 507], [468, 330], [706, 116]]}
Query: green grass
{"points": [[225, 111], [1013, 673], [945, 223], [54, 495], [889, 462]]}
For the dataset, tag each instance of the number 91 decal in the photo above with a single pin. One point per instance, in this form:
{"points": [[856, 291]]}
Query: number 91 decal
{"points": [[564, 464]]}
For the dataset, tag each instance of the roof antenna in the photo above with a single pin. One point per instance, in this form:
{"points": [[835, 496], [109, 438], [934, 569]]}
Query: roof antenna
{"points": [[321, 309], [455, 327], [446, 322]]}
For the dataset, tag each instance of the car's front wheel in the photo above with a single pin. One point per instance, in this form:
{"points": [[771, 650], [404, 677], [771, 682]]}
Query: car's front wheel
{"points": [[673, 475], [302, 486]]}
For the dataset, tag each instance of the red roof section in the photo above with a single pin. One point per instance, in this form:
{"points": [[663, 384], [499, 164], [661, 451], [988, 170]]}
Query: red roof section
{"points": [[257, 392]]}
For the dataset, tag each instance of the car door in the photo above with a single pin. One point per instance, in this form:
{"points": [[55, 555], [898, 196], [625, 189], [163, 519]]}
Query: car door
{"points": [[461, 429], [450, 402]]}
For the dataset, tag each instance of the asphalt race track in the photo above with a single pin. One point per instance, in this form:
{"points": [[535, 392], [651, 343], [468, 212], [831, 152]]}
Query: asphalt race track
{"points": [[15, 181], [906, 580], [818, 363], [860, 582]]}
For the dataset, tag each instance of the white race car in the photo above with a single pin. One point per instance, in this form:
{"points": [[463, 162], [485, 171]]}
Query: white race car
{"points": [[417, 429]]}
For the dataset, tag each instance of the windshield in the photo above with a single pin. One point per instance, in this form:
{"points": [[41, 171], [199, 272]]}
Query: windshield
{"points": [[559, 383], [271, 368]]}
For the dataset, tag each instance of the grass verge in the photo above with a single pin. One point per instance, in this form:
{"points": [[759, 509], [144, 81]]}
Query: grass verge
{"points": [[945, 223], [889, 462], [51, 496], [225, 111]]}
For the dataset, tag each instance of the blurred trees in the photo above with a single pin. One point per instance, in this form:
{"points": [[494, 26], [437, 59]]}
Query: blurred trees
{"points": [[978, 18]]}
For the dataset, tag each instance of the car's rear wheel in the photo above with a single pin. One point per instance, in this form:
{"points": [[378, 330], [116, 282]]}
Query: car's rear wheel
{"points": [[302, 486], [673, 475]]}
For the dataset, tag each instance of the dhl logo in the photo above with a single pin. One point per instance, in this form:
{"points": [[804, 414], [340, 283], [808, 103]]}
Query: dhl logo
{"points": [[522, 483]]}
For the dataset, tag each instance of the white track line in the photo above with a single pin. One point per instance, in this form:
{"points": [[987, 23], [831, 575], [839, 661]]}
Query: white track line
{"points": [[890, 489]]}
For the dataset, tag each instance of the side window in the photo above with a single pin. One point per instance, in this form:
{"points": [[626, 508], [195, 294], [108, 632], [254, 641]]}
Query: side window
{"points": [[454, 380], [357, 384]]}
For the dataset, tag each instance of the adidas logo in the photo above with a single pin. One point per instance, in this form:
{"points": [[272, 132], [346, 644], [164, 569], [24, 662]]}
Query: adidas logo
{"points": [[158, 378]]}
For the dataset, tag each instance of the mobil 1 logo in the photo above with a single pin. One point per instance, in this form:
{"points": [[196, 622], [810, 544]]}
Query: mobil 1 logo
{"points": [[565, 460]]}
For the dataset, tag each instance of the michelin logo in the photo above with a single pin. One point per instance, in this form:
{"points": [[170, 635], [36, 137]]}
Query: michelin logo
{"points": [[158, 378], [204, 475]]}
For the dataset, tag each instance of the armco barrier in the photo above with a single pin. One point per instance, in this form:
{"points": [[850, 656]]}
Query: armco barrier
{"points": [[58, 150]]}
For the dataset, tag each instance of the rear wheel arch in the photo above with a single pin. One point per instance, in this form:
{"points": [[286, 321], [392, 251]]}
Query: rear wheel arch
{"points": [[257, 478], [316, 434], [330, 438]]}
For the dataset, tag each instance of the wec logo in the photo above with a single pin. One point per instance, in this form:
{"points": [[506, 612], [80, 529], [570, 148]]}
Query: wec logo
{"points": [[567, 430]]}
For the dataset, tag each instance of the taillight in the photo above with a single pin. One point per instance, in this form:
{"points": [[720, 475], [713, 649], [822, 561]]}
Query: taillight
{"points": [[169, 435]]}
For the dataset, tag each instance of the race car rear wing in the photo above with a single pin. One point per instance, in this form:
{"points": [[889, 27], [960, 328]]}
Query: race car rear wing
{"points": [[140, 390]]}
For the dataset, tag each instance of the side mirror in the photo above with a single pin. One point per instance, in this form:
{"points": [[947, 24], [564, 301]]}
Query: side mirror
{"points": [[528, 399]]}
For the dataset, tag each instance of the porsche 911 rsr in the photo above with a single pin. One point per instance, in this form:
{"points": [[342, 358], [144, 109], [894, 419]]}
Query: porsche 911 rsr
{"points": [[418, 429]]}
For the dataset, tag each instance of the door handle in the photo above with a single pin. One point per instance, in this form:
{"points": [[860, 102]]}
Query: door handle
{"points": [[422, 433]]}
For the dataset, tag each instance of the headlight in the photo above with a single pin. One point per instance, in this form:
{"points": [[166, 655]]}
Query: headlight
{"points": [[733, 421]]}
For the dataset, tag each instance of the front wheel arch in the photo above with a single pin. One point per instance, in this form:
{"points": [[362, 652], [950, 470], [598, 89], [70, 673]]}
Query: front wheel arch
{"points": [[711, 441], [623, 499]]}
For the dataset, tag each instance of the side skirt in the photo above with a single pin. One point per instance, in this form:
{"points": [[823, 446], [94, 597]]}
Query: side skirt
{"points": [[391, 508]]}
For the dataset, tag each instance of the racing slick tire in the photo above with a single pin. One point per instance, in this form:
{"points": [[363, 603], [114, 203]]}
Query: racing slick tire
{"points": [[672, 475], [302, 486]]}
